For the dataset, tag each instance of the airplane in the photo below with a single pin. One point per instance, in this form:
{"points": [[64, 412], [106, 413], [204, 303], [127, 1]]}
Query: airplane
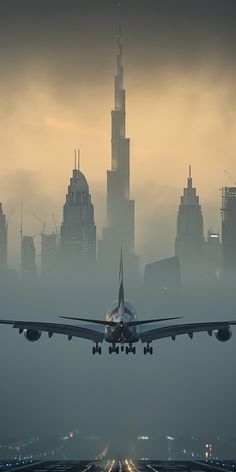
{"points": [[121, 329]]}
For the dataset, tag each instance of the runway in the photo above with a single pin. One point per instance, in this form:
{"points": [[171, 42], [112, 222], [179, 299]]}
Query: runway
{"points": [[115, 465]]}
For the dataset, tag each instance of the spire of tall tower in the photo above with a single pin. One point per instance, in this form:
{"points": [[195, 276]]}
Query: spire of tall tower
{"points": [[190, 181]]}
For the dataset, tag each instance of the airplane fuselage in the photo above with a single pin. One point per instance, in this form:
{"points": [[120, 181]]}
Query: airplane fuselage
{"points": [[121, 333]]}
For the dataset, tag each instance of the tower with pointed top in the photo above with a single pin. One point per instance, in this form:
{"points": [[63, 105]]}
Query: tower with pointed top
{"points": [[189, 241], [120, 208], [3, 242], [78, 230]]}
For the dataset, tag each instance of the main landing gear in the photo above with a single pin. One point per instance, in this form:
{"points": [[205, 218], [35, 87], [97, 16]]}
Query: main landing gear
{"points": [[148, 350], [114, 348], [97, 349], [130, 348], [127, 349]]}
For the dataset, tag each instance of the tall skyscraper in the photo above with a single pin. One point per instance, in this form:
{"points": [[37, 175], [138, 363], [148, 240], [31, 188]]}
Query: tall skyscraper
{"points": [[78, 230], [3, 242], [189, 241], [28, 256], [48, 254], [229, 229], [120, 208], [212, 255]]}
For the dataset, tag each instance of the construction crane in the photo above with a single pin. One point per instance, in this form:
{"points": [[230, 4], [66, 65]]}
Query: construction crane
{"points": [[230, 177], [56, 226], [43, 223], [9, 216]]}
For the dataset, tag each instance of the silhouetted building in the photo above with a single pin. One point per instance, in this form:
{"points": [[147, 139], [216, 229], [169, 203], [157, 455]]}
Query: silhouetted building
{"points": [[189, 241], [162, 277], [78, 230], [229, 229], [48, 254], [28, 255], [3, 242], [212, 255], [120, 208]]}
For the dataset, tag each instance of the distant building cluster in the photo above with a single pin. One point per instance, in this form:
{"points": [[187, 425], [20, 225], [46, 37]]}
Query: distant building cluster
{"points": [[74, 250]]}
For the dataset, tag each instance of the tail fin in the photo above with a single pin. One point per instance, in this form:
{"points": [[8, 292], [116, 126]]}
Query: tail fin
{"points": [[121, 298]]}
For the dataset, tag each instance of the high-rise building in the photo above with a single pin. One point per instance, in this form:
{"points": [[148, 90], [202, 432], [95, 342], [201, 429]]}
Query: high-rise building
{"points": [[120, 208], [48, 254], [28, 255], [78, 230], [212, 255], [3, 242], [229, 229], [189, 241]]}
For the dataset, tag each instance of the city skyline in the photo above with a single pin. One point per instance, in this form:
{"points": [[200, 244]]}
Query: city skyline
{"points": [[55, 116]]}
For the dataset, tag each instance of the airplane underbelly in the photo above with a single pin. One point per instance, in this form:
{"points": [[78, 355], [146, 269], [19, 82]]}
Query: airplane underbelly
{"points": [[122, 335]]}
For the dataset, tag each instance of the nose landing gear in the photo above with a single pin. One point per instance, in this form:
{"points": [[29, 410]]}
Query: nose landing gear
{"points": [[148, 349], [97, 349]]}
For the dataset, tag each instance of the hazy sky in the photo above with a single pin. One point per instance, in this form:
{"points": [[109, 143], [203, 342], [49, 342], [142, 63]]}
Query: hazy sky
{"points": [[57, 62]]}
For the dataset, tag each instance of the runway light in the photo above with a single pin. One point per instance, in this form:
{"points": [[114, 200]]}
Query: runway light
{"points": [[170, 438]]}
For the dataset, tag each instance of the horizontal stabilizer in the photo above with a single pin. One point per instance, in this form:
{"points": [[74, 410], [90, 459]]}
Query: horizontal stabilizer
{"points": [[101, 322], [137, 323]]}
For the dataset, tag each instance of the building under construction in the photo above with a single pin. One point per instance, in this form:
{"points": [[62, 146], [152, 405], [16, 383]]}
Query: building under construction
{"points": [[229, 229]]}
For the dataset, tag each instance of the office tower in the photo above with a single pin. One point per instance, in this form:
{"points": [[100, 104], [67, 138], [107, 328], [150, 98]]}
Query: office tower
{"points": [[78, 230], [3, 242], [229, 229], [212, 255], [48, 254], [28, 255], [189, 241], [120, 208]]}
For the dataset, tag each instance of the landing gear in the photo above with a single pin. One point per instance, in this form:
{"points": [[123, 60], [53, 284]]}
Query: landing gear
{"points": [[97, 349], [114, 348], [148, 350], [130, 348]]}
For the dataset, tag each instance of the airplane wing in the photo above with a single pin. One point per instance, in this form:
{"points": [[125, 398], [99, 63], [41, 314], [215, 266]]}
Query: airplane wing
{"points": [[148, 335], [58, 328]]}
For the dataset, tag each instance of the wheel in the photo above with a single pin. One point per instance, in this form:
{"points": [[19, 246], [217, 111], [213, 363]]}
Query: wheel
{"points": [[100, 350], [151, 350], [145, 350], [134, 350], [127, 350], [110, 350], [93, 350], [117, 350]]}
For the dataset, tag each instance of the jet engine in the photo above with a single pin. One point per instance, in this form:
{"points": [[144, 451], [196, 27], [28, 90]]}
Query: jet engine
{"points": [[32, 334], [223, 334]]}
